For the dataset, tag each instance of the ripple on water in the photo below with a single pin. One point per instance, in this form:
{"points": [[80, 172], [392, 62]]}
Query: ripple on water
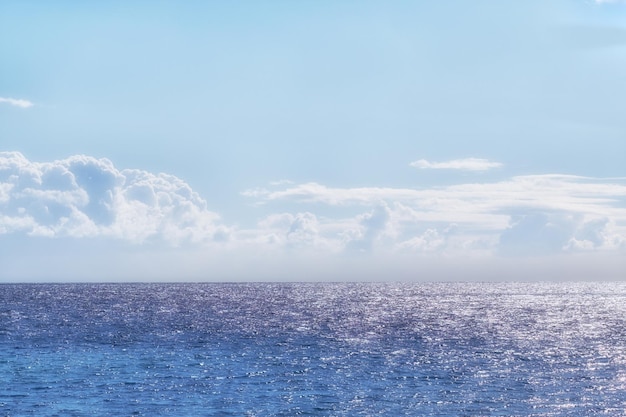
{"points": [[321, 349]]}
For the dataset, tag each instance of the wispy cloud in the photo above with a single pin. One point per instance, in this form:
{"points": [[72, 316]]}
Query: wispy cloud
{"points": [[466, 164], [549, 191], [16, 102]]}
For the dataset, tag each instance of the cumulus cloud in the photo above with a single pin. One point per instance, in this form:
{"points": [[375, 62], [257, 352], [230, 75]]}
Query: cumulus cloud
{"points": [[429, 241], [82, 196], [372, 226], [467, 164], [302, 232], [24, 104], [538, 233]]}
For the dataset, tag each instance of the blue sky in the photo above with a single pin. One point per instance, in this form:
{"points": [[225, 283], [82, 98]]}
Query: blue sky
{"points": [[312, 140]]}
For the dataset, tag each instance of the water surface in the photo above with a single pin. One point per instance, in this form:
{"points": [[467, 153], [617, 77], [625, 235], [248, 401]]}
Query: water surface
{"points": [[393, 349]]}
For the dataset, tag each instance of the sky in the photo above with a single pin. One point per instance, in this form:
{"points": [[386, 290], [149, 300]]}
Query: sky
{"points": [[312, 140]]}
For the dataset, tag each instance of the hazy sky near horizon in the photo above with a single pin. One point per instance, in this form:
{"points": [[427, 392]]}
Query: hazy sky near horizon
{"points": [[312, 140]]}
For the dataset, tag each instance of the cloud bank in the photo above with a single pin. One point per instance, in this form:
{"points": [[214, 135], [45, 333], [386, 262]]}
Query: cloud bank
{"points": [[87, 197], [467, 164], [77, 210], [24, 104], [529, 215], [82, 196]]}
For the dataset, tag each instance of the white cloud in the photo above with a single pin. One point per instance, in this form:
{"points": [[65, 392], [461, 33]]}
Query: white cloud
{"points": [[317, 193], [522, 216], [467, 164], [301, 232], [82, 196], [373, 226], [550, 192], [24, 104], [430, 241]]}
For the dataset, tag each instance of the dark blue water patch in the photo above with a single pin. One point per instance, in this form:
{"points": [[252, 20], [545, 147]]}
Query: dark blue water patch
{"points": [[313, 349]]}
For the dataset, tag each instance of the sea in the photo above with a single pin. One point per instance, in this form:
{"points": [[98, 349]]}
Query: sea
{"points": [[313, 349]]}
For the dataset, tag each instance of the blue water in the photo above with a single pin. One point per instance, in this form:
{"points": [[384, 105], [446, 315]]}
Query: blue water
{"points": [[313, 349]]}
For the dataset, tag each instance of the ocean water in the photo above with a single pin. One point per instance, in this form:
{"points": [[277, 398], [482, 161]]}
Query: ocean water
{"points": [[358, 349]]}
